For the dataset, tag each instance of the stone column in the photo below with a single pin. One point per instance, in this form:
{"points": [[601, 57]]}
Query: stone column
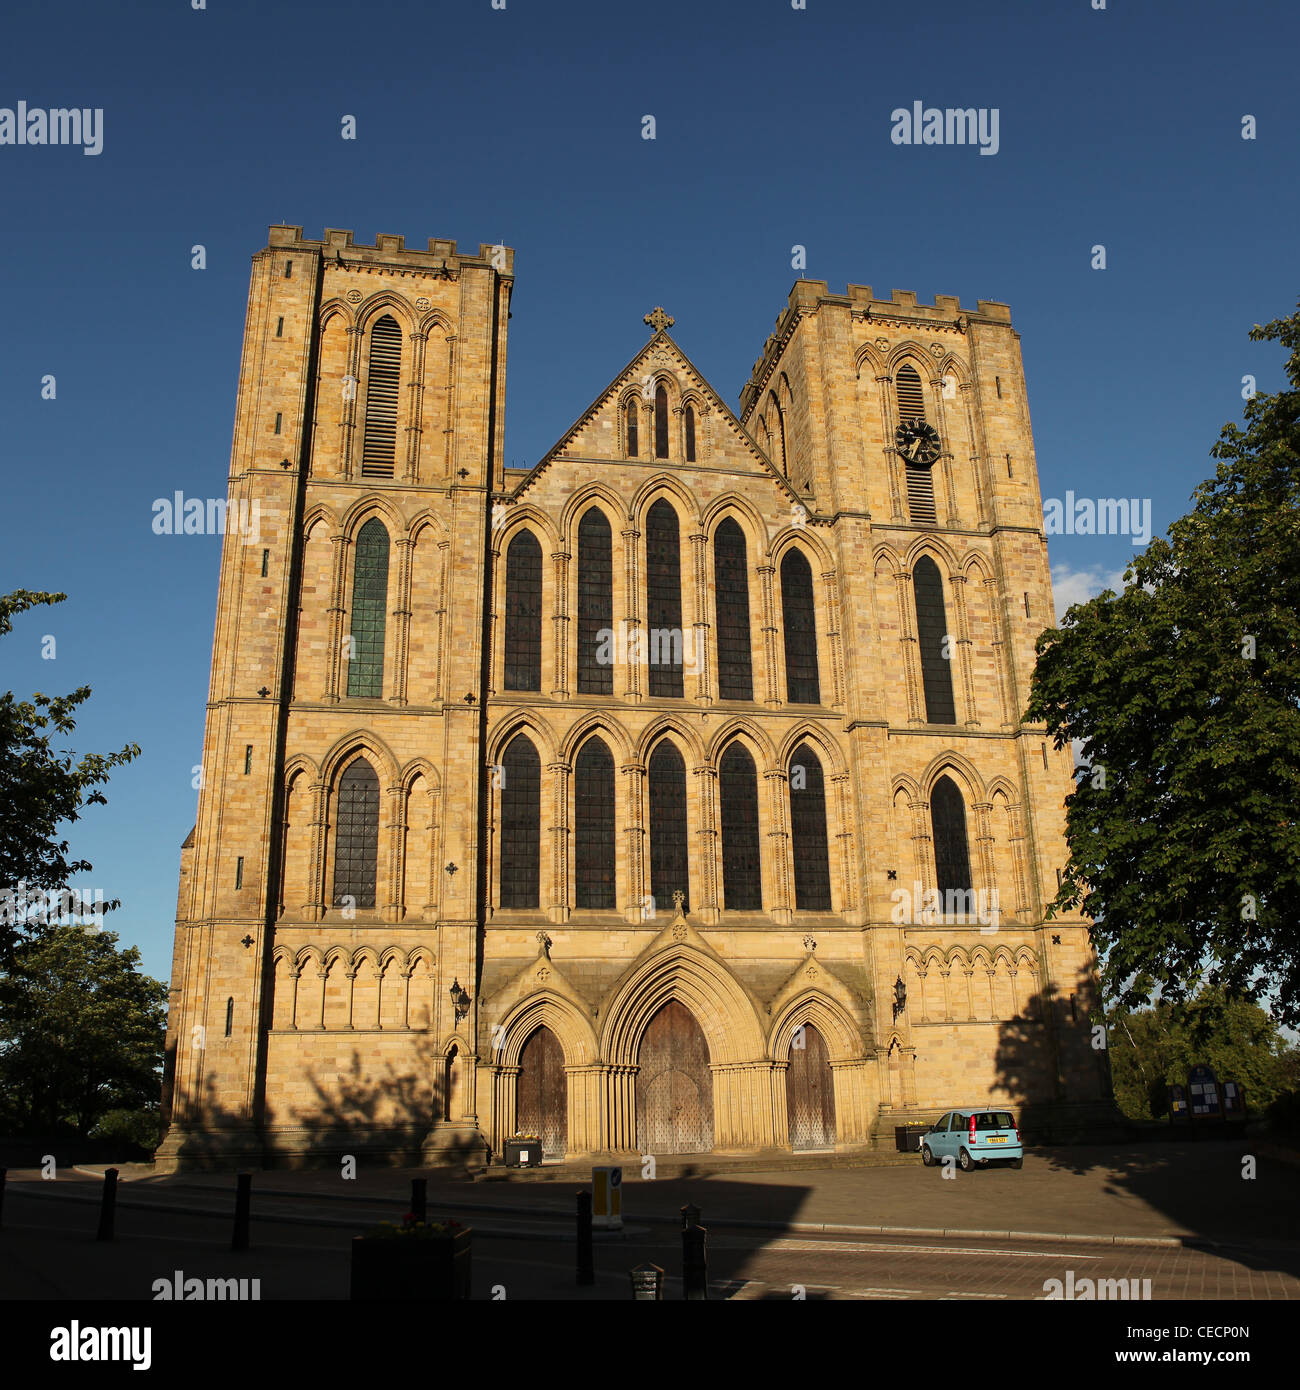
{"points": [[844, 837], [963, 649], [314, 911], [835, 637], [449, 432], [558, 909], [705, 680], [771, 654], [1001, 652], [415, 406], [911, 652], [945, 459], [631, 624], [335, 682], [778, 840], [560, 619], [401, 639], [635, 838], [348, 414], [706, 787], [396, 859], [967, 390], [889, 416]]}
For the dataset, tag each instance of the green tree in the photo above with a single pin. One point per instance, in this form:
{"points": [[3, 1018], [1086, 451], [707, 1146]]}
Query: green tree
{"points": [[40, 789], [1152, 1049], [1184, 691], [81, 1031]]}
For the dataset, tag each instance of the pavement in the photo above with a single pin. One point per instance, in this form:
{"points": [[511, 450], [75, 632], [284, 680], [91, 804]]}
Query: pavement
{"points": [[1164, 1194], [1198, 1220]]}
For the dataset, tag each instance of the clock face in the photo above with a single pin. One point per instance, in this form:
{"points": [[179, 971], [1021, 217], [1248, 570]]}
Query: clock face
{"points": [[917, 442]]}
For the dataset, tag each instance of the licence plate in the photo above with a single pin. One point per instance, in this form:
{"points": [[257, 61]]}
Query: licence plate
{"points": [[996, 1139]]}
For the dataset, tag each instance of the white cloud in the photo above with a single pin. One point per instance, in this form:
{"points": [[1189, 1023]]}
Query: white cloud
{"points": [[1071, 586]]}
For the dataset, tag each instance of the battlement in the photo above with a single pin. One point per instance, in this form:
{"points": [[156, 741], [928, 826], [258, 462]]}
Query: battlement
{"points": [[807, 296], [337, 245]]}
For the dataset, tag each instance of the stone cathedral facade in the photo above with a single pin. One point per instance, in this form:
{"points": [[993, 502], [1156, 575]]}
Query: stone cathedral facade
{"points": [[669, 796]]}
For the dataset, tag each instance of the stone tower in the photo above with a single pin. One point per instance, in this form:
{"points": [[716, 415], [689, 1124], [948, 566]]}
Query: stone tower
{"points": [[670, 795], [368, 431]]}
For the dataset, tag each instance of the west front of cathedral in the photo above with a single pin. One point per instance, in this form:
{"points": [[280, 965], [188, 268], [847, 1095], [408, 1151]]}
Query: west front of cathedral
{"points": [[668, 797]]}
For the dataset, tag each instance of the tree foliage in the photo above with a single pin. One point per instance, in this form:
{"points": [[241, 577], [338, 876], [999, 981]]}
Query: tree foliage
{"points": [[41, 789], [1184, 691], [81, 1032], [1152, 1049]]}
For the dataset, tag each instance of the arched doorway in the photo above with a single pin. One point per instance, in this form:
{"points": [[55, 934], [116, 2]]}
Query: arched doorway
{"points": [[674, 1087], [810, 1091], [542, 1093]]}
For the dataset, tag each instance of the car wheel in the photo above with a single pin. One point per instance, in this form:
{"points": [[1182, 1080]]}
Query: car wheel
{"points": [[965, 1162], [926, 1156], [1017, 1162]]}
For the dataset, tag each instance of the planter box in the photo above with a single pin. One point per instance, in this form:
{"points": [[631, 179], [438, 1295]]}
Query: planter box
{"points": [[411, 1269]]}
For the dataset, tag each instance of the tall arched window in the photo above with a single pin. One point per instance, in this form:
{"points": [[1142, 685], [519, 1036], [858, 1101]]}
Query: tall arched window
{"points": [[931, 633], [731, 593], [521, 813], [379, 444], [369, 607], [595, 602], [631, 428], [523, 613], [738, 795], [356, 836], [948, 822], [920, 477], [778, 435], [802, 682], [593, 826], [812, 869], [668, 857], [661, 422], [664, 601], [690, 434]]}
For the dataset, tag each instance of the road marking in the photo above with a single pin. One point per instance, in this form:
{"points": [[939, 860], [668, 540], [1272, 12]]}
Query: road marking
{"points": [[863, 1247]]}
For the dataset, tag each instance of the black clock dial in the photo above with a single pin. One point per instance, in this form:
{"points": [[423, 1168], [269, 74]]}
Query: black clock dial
{"points": [[917, 442]]}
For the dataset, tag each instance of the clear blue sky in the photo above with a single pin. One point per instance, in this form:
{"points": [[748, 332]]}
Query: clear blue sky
{"points": [[1120, 127]]}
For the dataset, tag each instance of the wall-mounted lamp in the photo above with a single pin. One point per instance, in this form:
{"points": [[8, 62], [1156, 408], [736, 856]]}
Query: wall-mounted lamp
{"points": [[900, 996]]}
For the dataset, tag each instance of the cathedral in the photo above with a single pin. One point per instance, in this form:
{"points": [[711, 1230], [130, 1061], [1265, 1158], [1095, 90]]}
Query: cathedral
{"points": [[670, 796]]}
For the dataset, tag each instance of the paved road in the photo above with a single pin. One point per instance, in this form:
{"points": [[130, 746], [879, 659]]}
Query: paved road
{"points": [[300, 1249]]}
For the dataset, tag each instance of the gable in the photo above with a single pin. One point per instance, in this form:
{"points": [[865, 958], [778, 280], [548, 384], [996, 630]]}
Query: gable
{"points": [[599, 435]]}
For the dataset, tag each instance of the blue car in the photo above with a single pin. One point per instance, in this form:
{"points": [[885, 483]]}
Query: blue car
{"points": [[975, 1134]]}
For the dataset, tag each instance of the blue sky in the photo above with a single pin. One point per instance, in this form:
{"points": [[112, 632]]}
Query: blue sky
{"points": [[1119, 127]]}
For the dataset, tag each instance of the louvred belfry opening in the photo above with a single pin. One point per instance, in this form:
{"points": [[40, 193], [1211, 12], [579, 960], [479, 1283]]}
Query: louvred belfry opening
{"points": [[379, 450]]}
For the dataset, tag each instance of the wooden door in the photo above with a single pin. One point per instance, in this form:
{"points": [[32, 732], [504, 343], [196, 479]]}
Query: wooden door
{"points": [[674, 1087], [542, 1094], [810, 1092]]}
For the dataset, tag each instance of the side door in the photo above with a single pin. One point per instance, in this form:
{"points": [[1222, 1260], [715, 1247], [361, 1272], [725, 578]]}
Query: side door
{"points": [[937, 1138], [956, 1133]]}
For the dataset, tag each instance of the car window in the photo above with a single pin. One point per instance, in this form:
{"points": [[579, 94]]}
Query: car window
{"points": [[957, 1121], [941, 1123], [994, 1119]]}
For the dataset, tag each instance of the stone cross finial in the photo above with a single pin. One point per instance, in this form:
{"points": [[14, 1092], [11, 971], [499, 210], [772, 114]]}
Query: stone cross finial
{"points": [[658, 320], [678, 899]]}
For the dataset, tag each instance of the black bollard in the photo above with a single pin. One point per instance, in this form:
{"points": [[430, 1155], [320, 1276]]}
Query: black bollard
{"points": [[420, 1198], [243, 1200], [4, 1173], [690, 1216], [107, 1204], [695, 1263], [586, 1259]]}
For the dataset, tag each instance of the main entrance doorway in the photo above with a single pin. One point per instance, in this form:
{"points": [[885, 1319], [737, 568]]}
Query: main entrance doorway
{"points": [[674, 1087], [810, 1092], [542, 1093]]}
